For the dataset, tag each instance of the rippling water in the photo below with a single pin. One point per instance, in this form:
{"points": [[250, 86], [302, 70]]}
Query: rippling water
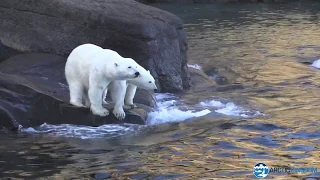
{"points": [[273, 118]]}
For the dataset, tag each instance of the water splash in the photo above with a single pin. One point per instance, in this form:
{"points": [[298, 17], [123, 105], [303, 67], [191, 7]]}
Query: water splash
{"points": [[316, 64], [169, 110], [195, 66], [84, 132], [229, 109]]}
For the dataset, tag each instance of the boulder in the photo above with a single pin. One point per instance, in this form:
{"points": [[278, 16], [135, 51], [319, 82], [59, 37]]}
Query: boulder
{"points": [[153, 37], [200, 80], [33, 90], [204, 86], [213, 1]]}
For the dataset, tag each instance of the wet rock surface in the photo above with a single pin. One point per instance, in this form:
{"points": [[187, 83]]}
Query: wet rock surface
{"points": [[200, 81], [33, 91], [154, 38]]}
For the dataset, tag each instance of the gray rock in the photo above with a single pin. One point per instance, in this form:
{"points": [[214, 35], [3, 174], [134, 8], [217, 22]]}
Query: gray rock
{"points": [[200, 80], [213, 1], [6, 52], [153, 37], [203, 86], [2, 56], [33, 90]]}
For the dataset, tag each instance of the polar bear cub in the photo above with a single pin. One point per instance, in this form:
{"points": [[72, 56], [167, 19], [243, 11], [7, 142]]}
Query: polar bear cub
{"points": [[144, 81], [123, 91], [89, 70]]}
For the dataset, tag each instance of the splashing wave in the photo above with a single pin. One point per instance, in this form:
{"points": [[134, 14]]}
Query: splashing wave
{"points": [[168, 111]]}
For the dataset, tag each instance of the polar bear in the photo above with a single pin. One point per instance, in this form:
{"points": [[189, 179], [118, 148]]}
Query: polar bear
{"points": [[145, 81], [122, 92], [89, 70]]}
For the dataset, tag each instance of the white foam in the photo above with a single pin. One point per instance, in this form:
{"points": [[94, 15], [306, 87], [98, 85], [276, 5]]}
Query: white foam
{"points": [[229, 109], [173, 115], [83, 132], [316, 64], [212, 103], [168, 111], [195, 66]]}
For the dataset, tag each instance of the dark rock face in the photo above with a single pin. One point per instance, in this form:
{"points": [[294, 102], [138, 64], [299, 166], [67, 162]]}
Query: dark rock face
{"points": [[213, 1], [33, 90], [154, 38], [6, 52]]}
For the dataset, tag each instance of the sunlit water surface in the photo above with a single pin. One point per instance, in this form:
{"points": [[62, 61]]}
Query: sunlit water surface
{"points": [[274, 118]]}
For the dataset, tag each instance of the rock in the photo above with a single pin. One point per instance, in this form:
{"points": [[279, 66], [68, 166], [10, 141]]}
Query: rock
{"points": [[199, 80], [100, 175], [33, 91], [6, 52], [203, 86], [165, 1], [213, 1], [2, 56], [153, 37]]}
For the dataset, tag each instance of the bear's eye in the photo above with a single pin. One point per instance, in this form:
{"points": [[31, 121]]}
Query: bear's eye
{"points": [[150, 82], [129, 67]]}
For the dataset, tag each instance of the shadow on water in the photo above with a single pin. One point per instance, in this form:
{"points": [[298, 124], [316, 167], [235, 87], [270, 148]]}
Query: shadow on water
{"points": [[265, 47]]}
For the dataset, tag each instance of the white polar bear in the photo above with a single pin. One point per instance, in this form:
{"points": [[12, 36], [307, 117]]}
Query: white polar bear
{"points": [[123, 91], [145, 81], [89, 70]]}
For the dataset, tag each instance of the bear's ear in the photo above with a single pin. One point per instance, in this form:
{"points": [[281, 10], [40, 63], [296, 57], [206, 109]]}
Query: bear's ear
{"points": [[116, 64], [148, 71]]}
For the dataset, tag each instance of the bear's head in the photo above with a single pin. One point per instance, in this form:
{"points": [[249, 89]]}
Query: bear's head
{"points": [[145, 80], [126, 68]]}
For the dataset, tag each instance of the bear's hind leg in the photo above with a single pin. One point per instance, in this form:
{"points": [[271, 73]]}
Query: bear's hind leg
{"points": [[130, 92], [86, 99], [76, 92], [104, 97]]}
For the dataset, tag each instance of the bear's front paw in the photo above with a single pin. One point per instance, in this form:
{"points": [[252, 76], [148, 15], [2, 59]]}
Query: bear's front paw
{"points": [[100, 111], [119, 113], [129, 106]]}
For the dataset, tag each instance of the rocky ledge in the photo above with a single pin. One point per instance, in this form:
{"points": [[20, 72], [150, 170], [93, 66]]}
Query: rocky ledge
{"points": [[154, 38], [33, 91]]}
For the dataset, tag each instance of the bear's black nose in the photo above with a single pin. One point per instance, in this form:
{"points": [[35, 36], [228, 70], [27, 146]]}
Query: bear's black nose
{"points": [[137, 74]]}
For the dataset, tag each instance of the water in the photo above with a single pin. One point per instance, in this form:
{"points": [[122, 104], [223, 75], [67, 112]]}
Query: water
{"points": [[271, 49]]}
